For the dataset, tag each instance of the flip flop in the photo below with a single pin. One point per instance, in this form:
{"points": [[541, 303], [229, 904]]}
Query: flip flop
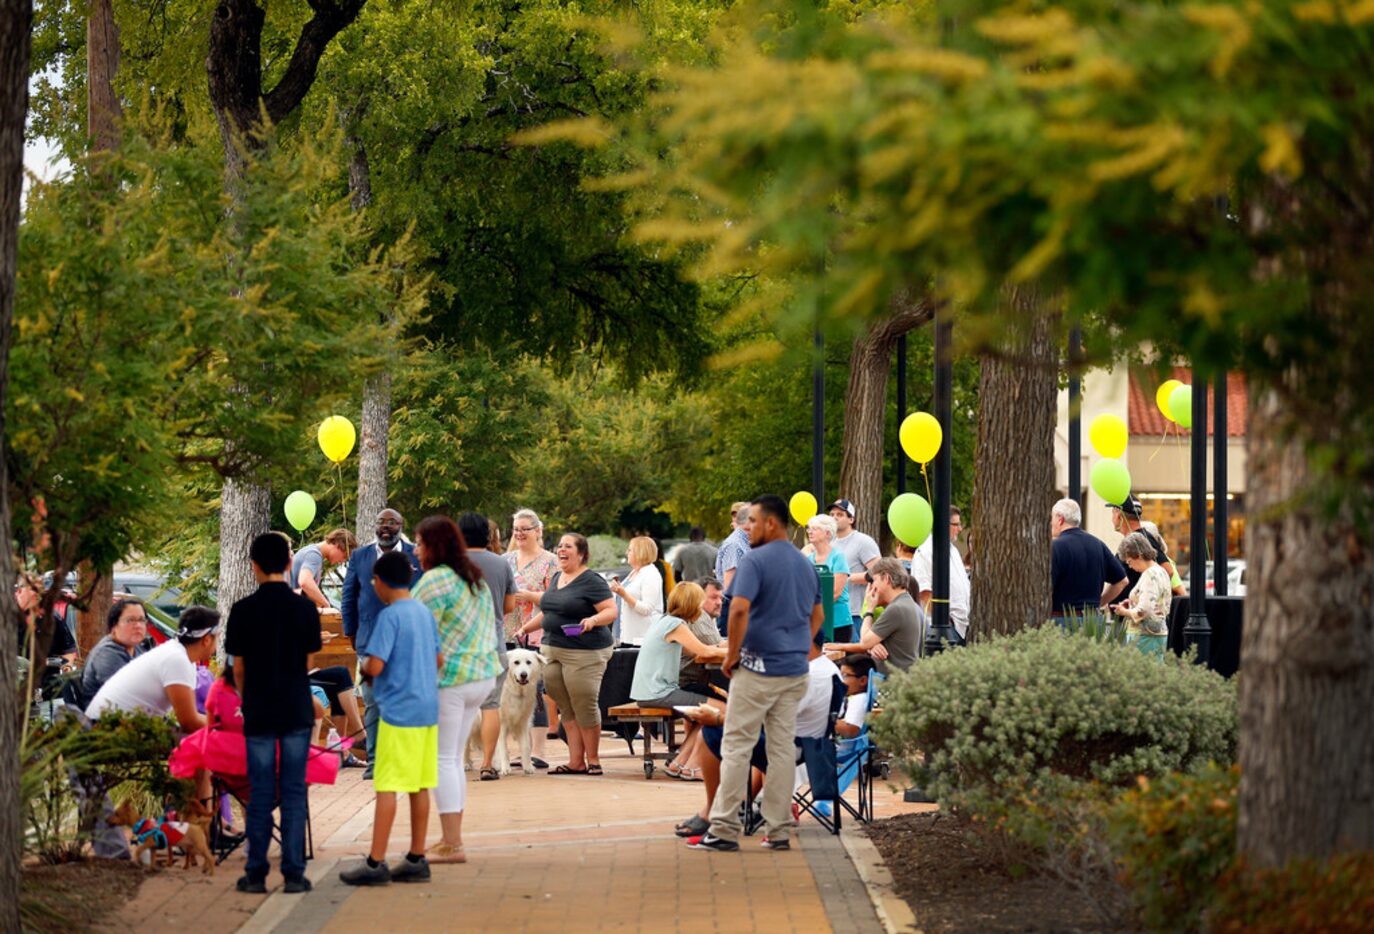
{"points": [[693, 826], [489, 775], [673, 769], [564, 770], [594, 768], [690, 775]]}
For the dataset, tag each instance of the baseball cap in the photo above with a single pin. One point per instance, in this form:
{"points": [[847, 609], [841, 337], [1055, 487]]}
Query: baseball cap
{"points": [[1129, 506], [844, 504]]}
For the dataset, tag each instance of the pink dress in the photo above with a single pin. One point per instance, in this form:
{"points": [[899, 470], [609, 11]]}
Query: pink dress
{"points": [[224, 708], [533, 576]]}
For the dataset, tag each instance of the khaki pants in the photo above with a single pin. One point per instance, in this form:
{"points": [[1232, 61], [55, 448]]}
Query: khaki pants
{"points": [[572, 677], [758, 701]]}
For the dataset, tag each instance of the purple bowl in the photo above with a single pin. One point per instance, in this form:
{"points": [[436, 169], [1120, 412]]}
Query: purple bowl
{"points": [[571, 631]]}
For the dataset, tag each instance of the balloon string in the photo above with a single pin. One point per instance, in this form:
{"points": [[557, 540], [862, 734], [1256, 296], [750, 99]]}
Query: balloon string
{"points": [[1163, 439], [925, 476]]}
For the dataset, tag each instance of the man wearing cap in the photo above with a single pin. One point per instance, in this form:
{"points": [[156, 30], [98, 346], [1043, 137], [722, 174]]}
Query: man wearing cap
{"points": [[1126, 519], [861, 551], [735, 546], [1084, 574]]}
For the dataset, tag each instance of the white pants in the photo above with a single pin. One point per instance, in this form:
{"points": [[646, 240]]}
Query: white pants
{"points": [[458, 708]]}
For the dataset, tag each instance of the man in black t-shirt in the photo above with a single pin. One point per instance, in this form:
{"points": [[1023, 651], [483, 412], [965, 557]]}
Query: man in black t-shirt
{"points": [[271, 634], [1128, 518]]}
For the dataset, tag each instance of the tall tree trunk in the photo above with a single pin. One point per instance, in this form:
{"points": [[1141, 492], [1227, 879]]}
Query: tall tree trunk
{"points": [[1013, 474], [1306, 739], [375, 424], [102, 64], [90, 621], [234, 72], [865, 409], [16, 26], [245, 512]]}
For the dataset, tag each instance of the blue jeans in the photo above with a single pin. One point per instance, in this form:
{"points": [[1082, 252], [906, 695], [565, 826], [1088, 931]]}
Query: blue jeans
{"points": [[266, 790], [371, 718]]}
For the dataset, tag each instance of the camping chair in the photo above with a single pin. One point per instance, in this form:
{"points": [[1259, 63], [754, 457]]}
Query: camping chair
{"points": [[832, 765], [225, 755], [818, 754]]}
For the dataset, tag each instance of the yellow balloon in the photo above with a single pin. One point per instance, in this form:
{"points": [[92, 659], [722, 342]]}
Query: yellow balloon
{"points": [[1162, 396], [803, 507], [921, 437], [1108, 435], [336, 437]]}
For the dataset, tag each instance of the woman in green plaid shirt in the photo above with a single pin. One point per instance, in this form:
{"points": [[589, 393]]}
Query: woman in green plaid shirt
{"points": [[453, 590]]}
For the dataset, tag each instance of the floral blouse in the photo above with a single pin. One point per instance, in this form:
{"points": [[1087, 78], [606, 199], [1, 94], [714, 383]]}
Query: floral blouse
{"points": [[534, 576], [1152, 594]]}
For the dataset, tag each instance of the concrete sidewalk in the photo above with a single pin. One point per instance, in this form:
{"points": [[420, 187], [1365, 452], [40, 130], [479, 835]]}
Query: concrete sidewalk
{"points": [[567, 853]]}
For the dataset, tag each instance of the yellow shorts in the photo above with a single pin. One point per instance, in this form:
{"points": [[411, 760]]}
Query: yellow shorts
{"points": [[407, 758]]}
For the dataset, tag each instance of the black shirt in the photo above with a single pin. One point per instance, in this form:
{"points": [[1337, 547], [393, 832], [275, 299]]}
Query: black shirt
{"points": [[1080, 564], [569, 606], [274, 631]]}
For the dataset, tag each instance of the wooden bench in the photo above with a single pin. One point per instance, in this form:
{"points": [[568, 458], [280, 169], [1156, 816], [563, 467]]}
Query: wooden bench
{"points": [[667, 719]]}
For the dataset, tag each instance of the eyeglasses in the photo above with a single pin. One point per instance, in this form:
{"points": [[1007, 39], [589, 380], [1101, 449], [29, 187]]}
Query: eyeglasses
{"points": [[134, 619], [519, 531]]}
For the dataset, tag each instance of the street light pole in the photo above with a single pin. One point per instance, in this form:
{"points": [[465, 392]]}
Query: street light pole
{"points": [[940, 630], [1198, 630], [1220, 525], [818, 418], [1075, 464], [901, 411]]}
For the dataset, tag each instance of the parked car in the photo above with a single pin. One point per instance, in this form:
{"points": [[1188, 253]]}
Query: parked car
{"points": [[1235, 577], [152, 589]]}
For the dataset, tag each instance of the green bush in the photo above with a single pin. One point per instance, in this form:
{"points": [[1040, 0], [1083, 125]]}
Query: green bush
{"points": [[1020, 711], [1173, 838], [1329, 896]]}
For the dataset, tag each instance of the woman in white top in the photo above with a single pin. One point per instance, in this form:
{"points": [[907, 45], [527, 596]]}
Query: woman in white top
{"points": [[641, 593]]}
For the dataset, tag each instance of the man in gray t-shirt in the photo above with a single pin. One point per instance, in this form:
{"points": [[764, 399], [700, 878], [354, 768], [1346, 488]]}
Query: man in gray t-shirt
{"points": [[859, 550], [894, 639], [696, 559], [307, 567]]}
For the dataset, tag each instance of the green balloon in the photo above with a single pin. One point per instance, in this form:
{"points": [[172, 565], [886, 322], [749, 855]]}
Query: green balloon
{"points": [[300, 510], [910, 519], [1111, 480], [1181, 406]]}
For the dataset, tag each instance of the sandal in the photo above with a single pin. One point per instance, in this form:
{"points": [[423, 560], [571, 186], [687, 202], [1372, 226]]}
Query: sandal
{"points": [[690, 775], [489, 775], [442, 852], [353, 762], [673, 769], [594, 768], [564, 770], [694, 826]]}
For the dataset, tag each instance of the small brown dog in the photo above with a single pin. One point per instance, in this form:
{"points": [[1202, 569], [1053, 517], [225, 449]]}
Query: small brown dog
{"points": [[150, 835]]}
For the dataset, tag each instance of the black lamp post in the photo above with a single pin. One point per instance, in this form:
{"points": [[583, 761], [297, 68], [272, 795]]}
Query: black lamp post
{"points": [[1198, 631], [818, 419], [940, 629], [1220, 540], [1075, 464]]}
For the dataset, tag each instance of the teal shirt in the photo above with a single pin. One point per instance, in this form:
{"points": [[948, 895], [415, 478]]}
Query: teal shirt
{"points": [[656, 669], [840, 615]]}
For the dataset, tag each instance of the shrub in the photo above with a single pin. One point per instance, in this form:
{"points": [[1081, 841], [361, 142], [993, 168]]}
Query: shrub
{"points": [[1331, 896], [114, 750], [1173, 839], [1016, 711]]}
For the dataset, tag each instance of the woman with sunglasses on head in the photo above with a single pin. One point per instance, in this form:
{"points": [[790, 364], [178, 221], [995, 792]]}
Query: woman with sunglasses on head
{"points": [[533, 566]]}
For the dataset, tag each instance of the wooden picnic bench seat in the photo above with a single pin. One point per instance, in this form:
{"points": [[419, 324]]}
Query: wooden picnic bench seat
{"points": [[667, 719]]}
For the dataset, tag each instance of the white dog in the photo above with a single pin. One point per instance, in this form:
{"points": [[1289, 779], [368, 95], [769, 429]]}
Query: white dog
{"points": [[518, 693]]}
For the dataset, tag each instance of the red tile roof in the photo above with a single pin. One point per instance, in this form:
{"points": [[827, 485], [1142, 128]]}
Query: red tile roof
{"points": [[1145, 418]]}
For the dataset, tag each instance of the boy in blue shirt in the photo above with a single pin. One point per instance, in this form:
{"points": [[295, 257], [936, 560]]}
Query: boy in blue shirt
{"points": [[402, 658]]}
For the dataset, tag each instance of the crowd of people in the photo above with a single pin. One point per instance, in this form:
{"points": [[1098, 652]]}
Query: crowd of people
{"points": [[736, 637]]}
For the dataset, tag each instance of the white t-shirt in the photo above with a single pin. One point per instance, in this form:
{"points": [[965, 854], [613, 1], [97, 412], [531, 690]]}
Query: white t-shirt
{"points": [[959, 589], [142, 684], [859, 549], [814, 709], [855, 710], [646, 587]]}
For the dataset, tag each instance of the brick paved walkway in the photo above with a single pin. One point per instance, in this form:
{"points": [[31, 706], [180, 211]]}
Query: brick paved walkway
{"points": [[546, 854]]}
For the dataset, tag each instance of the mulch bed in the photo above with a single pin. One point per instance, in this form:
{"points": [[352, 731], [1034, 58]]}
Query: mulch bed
{"points": [[954, 881], [73, 897]]}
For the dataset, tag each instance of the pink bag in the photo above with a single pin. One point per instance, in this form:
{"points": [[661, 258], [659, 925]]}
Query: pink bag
{"points": [[226, 753]]}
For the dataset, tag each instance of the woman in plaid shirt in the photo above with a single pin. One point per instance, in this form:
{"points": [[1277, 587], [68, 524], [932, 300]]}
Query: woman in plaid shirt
{"points": [[452, 589]]}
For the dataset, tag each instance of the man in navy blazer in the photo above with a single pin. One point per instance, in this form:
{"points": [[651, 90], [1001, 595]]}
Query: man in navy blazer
{"points": [[361, 605]]}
